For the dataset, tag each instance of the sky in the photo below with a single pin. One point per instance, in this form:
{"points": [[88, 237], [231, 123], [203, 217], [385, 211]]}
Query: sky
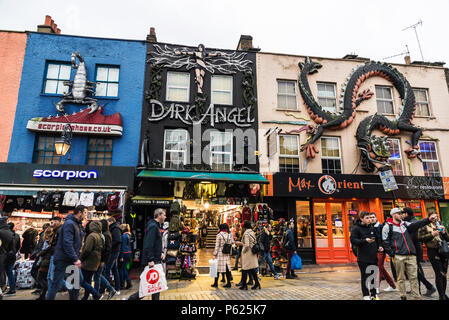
{"points": [[323, 28]]}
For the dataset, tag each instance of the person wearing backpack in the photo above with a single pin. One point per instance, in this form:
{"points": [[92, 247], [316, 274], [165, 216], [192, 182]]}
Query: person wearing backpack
{"points": [[222, 252], [289, 243], [7, 244], [398, 244], [365, 243]]}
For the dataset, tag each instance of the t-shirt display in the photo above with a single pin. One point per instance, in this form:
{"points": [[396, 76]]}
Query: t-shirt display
{"points": [[86, 199], [113, 201], [70, 199]]}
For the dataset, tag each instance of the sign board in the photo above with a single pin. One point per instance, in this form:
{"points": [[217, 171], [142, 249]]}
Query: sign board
{"points": [[388, 180]]}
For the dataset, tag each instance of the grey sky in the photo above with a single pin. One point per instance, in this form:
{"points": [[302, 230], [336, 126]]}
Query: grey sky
{"points": [[318, 28]]}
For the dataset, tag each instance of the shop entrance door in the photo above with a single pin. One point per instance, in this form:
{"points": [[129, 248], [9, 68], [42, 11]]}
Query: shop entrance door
{"points": [[331, 230]]}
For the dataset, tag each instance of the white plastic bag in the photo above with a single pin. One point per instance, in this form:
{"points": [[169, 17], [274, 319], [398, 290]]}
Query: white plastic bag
{"points": [[152, 280], [213, 267]]}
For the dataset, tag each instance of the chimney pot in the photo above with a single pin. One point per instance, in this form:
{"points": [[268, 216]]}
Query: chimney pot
{"points": [[152, 36], [407, 59], [245, 43], [47, 20]]}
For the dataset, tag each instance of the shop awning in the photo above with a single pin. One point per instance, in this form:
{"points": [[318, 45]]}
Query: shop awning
{"points": [[203, 176], [151, 200]]}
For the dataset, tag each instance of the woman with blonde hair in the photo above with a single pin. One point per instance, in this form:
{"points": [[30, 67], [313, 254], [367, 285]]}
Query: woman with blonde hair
{"points": [[125, 255]]}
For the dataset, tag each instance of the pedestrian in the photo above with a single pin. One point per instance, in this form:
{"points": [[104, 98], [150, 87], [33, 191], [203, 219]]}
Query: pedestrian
{"points": [[91, 257], [239, 250], [432, 236], [383, 273], [112, 264], [290, 246], [152, 247], [249, 259], [124, 257], [29, 242], [7, 244], [101, 283], [265, 240], [409, 216], [43, 261], [10, 261], [67, 252], [223, 240], [364, 239], [398, 244]]}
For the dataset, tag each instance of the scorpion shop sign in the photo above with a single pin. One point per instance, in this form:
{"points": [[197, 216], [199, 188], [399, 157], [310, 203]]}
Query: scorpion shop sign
{"points": [[240, 117]]}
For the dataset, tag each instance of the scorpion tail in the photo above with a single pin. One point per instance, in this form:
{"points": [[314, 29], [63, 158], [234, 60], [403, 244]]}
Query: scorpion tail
{"points": [[60, 107], [93, 107]]}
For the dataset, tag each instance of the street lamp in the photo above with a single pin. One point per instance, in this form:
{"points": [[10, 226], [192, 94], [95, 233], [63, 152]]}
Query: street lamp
{"points": [[62, 146]]}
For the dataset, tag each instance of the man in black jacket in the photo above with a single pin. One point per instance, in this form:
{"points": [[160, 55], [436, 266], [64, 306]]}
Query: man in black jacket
{"points": [[363, 238], [7, 241], [410, 217], [152, 246], [112, 264], [398, 244], [265, 240], [100, 280], [11, 260]]}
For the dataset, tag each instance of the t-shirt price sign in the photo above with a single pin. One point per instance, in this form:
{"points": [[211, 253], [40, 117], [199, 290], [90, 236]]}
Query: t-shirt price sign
{"points": [[388, 180]]}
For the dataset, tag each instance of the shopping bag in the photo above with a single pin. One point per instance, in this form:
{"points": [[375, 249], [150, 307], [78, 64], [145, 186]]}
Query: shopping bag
{"points": [[152, 280], [296, 262], [213, 268]]}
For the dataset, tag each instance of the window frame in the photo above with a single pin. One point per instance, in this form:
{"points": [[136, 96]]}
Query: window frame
{"points": [[167, 87], [222, 152], [426, 160], [97, 151], [330, 157], [385, 100], [426, 102], [37, 150], [184, 151], [295, 95], [44, 84], [219, 90], [400, 155], [108, 66], [334, 85], [280, 155]]}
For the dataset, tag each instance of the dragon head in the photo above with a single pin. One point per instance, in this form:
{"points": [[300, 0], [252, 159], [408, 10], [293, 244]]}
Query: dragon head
{"points": [[375, 153], [310, 66]]}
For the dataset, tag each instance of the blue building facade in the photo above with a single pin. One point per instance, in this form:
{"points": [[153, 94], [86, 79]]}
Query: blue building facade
{"points": [[118, 67]]}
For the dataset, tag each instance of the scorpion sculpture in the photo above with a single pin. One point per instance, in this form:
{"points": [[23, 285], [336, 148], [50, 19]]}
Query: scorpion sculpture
{"points": [[374, 150], [81, 87]]}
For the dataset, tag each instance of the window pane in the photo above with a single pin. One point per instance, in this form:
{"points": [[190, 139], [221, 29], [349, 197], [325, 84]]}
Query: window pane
{"points": [[64, 73], [102, 74], [291, 102], [101, 89], [221, 97], [221, 83], [62, 88], [50, 86], [177, 79], [52, 71], [290, 87], [177, 94], [113, 74], [112, 90]]}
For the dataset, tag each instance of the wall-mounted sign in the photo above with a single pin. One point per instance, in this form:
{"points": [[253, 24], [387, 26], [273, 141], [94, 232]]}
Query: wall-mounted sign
{"points": [[388, 180], [67, 174]]}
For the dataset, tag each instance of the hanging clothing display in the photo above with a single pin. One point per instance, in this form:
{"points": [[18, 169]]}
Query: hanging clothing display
{"points": [[179, 188], [56, 199], [2, 201], [100, 201], [113, 201], [246, 214], [86, 199], [70, 199]]}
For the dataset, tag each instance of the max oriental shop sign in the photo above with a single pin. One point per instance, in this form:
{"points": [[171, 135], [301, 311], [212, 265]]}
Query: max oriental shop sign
{"points": [[349, 186], [240, 117]]}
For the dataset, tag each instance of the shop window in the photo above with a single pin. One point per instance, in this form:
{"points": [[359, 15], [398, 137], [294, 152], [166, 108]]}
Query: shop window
{"points": [[326, 96], [178, 86], [287, 95], [321, 225], [429, 158], [386, 208], [353, 211], [221, 90], [384, 98], [422, 102], [289, 153], [221, 150], [444, 212], [330, 155], [55, 76], [44, 150], [175, 148], [107, 81], [395, 159], [303, 224], [99, 152], [430, 207]]}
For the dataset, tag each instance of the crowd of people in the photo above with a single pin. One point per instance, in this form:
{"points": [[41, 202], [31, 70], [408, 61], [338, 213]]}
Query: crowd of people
{"points": [[93, 252]]}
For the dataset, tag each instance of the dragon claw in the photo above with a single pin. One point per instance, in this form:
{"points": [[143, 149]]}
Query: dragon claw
{"points": [[366, 94], [311, 150]]}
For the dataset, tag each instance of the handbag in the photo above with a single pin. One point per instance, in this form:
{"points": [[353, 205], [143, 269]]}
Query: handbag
{"points": [[444, 248], [226, 247], [255, 248]]}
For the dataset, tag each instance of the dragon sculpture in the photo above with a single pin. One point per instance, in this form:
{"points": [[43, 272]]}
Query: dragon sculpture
{"points": [[374, 150], [81, 87]]}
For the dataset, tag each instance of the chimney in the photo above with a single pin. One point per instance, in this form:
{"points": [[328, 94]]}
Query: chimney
{"points": [[49, 26], [245, 43], [152, 36], [407, 59]]}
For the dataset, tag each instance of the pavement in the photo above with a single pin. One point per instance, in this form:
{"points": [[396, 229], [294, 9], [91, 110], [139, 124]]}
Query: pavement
{"points": [[315, 282]]}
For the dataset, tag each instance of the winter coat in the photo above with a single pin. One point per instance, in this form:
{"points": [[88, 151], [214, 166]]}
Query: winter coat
{"points": [[426, 236], [152, 243], [400, 241], [29, 242], [265, 240], [249, 259], [366, 252], [6, 237], [46, 254], [116, 234], [93, 246], [291, 244], [126, 244], [16, 240], [223, 259], [69, 240], [107, 241]]}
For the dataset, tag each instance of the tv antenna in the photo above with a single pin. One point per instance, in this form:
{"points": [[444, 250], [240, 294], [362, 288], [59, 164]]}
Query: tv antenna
{"points": [[407, 53], [419, 23]]}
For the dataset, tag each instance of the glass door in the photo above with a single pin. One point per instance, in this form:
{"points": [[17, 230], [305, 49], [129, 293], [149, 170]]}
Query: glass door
{"points": [[338, 234], [321, 228]]}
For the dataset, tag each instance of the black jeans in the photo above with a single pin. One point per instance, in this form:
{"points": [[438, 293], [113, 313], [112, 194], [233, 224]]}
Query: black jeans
{"points": [[252, 273], [364, 275], [439, 265], [42, 280], [228, 276]]}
